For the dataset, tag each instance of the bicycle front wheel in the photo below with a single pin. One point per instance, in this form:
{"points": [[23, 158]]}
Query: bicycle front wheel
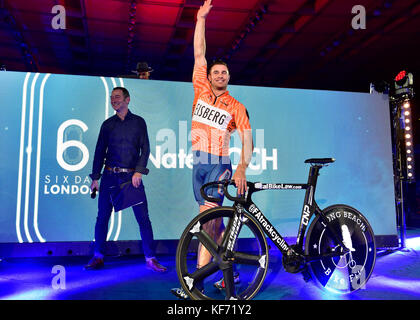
{"points": [[350, 270], [249, 260]]}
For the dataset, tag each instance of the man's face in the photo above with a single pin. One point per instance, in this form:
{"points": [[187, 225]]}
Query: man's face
{"points": [[144, 75], [219, 77], [118, 101]]}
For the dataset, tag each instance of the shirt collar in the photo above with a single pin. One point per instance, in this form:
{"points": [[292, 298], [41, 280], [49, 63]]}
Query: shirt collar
{"points": [[127, 116], [224, 94]]}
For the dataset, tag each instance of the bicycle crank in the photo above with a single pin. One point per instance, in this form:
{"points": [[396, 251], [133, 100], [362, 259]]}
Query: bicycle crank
{"points": [[293, 262]]}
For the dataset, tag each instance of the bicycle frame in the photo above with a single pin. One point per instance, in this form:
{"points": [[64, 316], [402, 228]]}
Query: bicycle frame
{"points": [[310, 207]]}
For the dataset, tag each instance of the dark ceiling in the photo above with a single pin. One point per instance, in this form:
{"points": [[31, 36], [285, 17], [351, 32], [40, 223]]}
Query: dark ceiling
{"points": [[282, 43]]}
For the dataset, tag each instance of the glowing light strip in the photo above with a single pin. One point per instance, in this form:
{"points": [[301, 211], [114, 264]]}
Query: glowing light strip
{"points": [[106, 97], [29, 156], [22, 140], [117, 233], [119, 222], [114, 83], [106, 117], [38, 158], [111, 226]]}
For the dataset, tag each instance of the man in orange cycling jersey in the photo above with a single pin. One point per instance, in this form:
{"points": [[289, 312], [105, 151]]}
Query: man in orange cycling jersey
{"points": [[215, 116]]}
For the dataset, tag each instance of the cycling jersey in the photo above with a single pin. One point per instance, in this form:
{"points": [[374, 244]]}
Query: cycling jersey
{"points": [[214, 118]]}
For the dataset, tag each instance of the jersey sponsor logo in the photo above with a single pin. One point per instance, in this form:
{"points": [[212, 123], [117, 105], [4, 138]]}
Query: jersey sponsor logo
{"points": [[211, 116]]}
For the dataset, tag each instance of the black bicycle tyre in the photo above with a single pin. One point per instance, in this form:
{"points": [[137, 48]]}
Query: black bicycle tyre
{"points": [[187, 236], [351, 271]]}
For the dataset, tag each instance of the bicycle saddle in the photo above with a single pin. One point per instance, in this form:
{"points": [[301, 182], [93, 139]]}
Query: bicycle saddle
{"points": [[320, 160]]}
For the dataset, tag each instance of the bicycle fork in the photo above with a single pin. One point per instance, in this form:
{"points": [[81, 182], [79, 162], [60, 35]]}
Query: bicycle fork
{"points": [[230, 242], [234, 227]]}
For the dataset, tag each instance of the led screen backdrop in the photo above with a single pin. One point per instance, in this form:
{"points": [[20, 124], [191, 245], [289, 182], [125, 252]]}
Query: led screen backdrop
{"points": [[50, 123]]}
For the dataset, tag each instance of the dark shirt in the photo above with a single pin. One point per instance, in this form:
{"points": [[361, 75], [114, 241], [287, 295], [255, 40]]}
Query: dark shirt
{"points": [[123, 144]]}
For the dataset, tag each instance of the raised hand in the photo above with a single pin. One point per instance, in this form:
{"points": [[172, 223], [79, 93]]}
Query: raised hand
{"points": [[204, 9]]}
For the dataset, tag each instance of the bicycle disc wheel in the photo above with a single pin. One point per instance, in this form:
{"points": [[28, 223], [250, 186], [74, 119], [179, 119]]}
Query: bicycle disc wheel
{"points": [[351, 270], [250, 258]]}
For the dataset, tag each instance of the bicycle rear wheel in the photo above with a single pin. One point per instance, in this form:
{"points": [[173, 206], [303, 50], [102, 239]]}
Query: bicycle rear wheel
{"points": [[347, 272], [251, 261]]}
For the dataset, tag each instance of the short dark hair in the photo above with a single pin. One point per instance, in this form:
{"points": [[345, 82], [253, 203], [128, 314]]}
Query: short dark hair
{"points": [[216, 62], [125, 92]]}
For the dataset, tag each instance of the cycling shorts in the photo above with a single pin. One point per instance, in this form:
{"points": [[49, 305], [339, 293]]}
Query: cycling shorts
{"points": [[209, 168]]}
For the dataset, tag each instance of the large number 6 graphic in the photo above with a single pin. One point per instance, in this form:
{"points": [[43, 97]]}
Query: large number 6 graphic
{"points": [[63, 145]]}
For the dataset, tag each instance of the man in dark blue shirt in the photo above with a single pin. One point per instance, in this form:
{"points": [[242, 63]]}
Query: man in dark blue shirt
{"points": [[123, 147]]}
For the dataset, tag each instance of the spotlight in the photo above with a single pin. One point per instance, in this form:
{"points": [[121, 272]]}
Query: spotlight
{"points": [[403, 84]]}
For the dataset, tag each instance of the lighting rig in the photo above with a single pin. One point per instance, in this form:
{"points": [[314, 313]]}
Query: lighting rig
{"points": [[250, 26], [131, 31], [9, 20], [400, 99]]}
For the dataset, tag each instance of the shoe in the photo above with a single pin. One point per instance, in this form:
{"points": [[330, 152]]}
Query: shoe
{"points": [[221, 283], [180, 293], [95, 263], [154, 265]]}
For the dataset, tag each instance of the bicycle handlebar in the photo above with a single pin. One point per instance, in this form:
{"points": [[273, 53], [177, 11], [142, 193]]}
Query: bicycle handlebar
{"points": [[225, 184]]}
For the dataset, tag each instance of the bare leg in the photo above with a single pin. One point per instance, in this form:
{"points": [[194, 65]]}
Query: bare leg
{"points": [[215, 229]]}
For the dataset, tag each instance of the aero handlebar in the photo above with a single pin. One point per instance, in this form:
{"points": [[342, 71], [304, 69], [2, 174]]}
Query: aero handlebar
{"points": [[226, 184]]}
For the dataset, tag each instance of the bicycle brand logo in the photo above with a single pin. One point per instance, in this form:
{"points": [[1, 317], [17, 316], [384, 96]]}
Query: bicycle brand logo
{"points": [[234, 233], [305, 215]]}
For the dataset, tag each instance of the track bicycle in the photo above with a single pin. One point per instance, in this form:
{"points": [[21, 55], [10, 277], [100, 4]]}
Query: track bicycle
{"points": [[336, 248]]}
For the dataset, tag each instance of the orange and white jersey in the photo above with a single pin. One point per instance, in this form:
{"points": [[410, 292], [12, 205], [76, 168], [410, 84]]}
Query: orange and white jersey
{"points": [[214, 118]]}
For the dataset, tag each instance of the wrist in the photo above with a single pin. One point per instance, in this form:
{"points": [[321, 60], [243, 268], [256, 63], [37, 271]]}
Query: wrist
{"points": [[241, 167]]}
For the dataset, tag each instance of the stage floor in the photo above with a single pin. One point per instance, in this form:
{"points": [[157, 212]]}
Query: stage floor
{"points": [[396, 277]]}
